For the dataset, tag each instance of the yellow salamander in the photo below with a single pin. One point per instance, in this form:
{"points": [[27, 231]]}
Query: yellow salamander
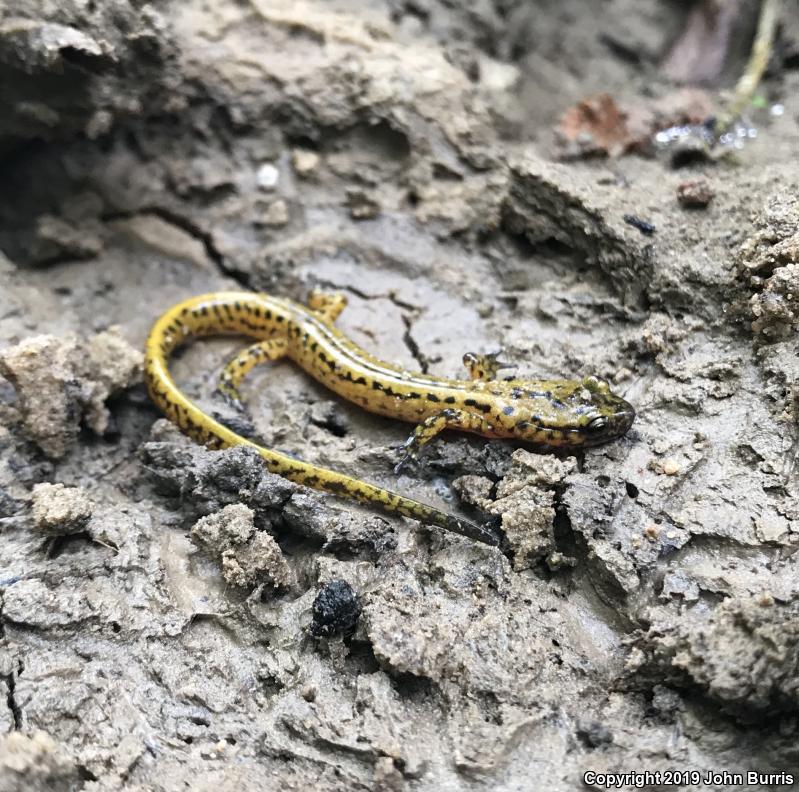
{"points": [[546, 413]]}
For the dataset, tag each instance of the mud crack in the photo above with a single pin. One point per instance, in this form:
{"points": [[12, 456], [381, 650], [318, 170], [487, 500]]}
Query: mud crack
{"points": [[11, 685], [195, 231], [11, 700], [410, 342]]}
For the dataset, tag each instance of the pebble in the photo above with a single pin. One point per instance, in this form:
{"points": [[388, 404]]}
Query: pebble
{"points": [[268, 176], [276, 214], [696, 194], [304, 161]]}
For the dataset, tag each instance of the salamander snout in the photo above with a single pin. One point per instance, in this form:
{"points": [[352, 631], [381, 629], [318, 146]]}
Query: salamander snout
{"points": [[612, 416]]}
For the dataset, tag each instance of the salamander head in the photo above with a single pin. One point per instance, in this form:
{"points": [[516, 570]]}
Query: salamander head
{"points": [[565, 412]]}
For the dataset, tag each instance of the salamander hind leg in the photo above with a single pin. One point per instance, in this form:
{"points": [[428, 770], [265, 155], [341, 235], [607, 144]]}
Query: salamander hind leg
{"points": [[429, 428], [243, 363], [328, 305], [483, 367]]}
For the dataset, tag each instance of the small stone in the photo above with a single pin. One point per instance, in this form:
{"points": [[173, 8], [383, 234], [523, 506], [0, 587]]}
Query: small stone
{"points": [[276, 214], [59, 510], [267, 176], [651, 532], [695, 194], [671, 467], [304, 161]]}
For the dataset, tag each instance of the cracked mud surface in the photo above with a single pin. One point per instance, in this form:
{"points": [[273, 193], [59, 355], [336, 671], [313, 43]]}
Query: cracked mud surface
{"points": [[156, 597]]}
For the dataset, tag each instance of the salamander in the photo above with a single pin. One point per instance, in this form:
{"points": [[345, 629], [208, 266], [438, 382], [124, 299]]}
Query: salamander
{"points": [[545, 413]]}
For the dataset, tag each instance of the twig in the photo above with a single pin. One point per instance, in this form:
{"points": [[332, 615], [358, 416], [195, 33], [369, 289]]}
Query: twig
{"points": [[758, 60]]}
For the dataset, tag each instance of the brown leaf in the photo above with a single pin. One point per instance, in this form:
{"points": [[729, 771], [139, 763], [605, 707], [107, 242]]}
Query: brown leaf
{"points": [[596, 125]]}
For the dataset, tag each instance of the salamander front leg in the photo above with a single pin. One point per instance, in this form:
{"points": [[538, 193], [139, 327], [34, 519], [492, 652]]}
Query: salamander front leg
{"points": [[432, 426], [328, 305], [243, 363], [483, 367]]}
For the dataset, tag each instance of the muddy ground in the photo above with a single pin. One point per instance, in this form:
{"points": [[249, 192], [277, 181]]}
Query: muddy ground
{"points": [[154, 637]]}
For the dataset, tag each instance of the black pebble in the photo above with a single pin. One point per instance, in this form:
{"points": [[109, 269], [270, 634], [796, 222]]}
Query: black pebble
{"points": [[335, 610]]}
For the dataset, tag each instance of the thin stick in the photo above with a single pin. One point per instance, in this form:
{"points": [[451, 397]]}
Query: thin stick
{"points": [[758, 60]]}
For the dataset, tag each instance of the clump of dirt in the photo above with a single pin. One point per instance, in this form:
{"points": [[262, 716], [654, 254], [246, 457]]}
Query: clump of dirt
{"points": [[62, 383], [248, 556], [769, 262], [742, 654], [59, 510]]}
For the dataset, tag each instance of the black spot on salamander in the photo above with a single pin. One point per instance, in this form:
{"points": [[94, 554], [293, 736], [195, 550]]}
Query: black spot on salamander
{"points": [[377, 385], [336, 486], [268, 315], [484, 408], [237, 305], [256, 310], [450, 400], [279, 318], [331, 364], [360, 381], [314, 346], [413, 395], [432, 397], [516, 393], [507, 410]]}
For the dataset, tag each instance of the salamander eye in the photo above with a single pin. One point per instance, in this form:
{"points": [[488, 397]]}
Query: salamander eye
{"points": [[596, 425], [596, 385]]}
